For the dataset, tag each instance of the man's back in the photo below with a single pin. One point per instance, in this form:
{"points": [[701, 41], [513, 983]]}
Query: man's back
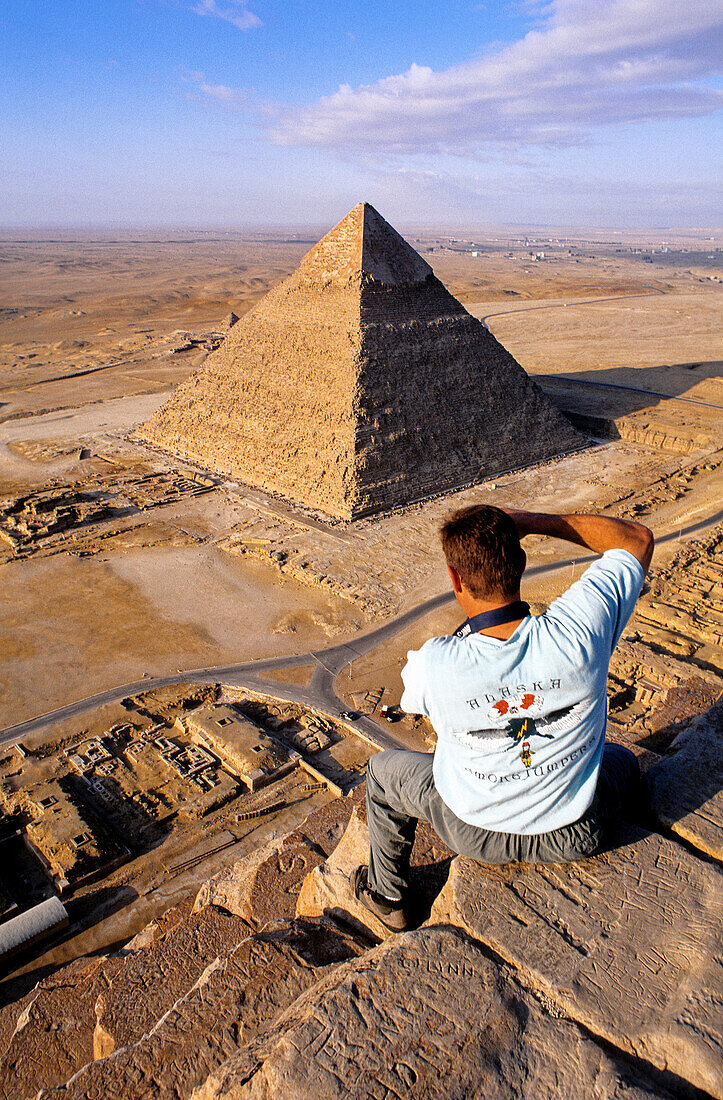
{"points": [[521, 722], [520, 771]]}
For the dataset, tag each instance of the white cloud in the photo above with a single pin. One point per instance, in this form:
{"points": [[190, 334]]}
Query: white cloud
{"points": [[223, 93], [589, 63], [233, 11]]}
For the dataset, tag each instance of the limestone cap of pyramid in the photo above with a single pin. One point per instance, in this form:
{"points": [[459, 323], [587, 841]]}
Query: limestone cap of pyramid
{"points": [[363, 246]]}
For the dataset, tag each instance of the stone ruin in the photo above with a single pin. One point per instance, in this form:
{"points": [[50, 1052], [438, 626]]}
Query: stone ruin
{"points": [[359, 384]]}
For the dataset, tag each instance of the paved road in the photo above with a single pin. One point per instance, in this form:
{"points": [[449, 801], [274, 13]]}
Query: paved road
{"points": [[320, 693], [504, 313], [585, 381], [560, 303]]}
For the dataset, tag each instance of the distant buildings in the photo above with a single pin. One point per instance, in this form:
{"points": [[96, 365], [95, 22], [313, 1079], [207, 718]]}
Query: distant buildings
{"points": [[71, 818], [58, 826]]}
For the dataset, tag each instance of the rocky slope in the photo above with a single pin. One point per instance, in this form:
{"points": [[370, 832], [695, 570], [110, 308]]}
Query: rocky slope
{"points": [[598, 979]]}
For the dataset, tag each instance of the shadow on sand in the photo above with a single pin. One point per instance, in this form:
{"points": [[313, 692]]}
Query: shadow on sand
{"points": [[617, 391]]}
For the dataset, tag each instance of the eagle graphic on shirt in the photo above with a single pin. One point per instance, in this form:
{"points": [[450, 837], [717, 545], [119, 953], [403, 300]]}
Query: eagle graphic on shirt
{"points": [[522, 717]]}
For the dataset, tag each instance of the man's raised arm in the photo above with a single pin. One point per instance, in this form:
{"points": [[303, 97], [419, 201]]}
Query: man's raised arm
{"points": [[596, 533]]}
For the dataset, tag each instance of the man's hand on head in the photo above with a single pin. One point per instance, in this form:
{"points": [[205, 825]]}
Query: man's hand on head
{"points": [[594, 532], [524, 521]]}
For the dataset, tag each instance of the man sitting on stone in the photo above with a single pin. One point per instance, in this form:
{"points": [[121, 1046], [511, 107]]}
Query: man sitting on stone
{"points": [[521, 771]]}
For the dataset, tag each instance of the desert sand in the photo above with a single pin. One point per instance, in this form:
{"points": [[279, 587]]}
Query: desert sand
{"points": [[121, 564], [87, 344]]}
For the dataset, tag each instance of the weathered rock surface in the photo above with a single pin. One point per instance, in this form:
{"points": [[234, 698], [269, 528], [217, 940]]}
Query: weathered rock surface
{"points": [[264, 886], [626, 943], [360, 384], [327, 890], [686, 789], [238, 995], [51, 1032], [597, 979], [53, 1035], [93, 1007], [150, 982], [325, 827], [401, 1022]]}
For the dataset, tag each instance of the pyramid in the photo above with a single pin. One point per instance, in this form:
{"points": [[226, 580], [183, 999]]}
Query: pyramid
{"points": [[360, 384]]}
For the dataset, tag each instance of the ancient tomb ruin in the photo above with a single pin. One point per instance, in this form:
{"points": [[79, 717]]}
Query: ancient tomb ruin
{"points": [[360, 384]]}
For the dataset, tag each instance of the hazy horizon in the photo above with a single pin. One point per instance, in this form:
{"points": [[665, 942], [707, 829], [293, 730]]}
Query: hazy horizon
{"points": [[314, 230]]}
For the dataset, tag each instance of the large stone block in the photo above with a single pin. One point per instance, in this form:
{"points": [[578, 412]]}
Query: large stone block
{"points": [[236, 997], [264, 886], [686, 789], [426, 1016], [152, 981], [51, 1032], [327, 890], [91, 1007], [627, 943], [53, 1035]]}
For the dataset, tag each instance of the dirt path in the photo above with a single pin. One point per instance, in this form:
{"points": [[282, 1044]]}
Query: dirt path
{"points": [[320, 694]]}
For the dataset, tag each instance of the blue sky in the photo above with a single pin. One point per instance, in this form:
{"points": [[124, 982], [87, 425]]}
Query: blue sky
{"points": [[454, 112]]}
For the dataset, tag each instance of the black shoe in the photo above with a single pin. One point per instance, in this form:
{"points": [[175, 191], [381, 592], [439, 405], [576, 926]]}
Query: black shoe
{"points": [[390, 913]]}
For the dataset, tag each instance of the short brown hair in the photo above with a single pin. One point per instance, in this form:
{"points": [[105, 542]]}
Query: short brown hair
{"points": [[482, 544]]}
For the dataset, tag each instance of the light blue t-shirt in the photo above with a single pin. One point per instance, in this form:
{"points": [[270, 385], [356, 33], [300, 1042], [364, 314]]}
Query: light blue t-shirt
{"points": [[521, 723]]}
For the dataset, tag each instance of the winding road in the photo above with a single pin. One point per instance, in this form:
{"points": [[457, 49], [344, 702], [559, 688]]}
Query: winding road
{"points": [[619, 386], [320, 694]]}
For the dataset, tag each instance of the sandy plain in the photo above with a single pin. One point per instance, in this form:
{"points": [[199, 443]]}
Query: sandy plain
{"points": [[178, 574], [89, 339]]}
